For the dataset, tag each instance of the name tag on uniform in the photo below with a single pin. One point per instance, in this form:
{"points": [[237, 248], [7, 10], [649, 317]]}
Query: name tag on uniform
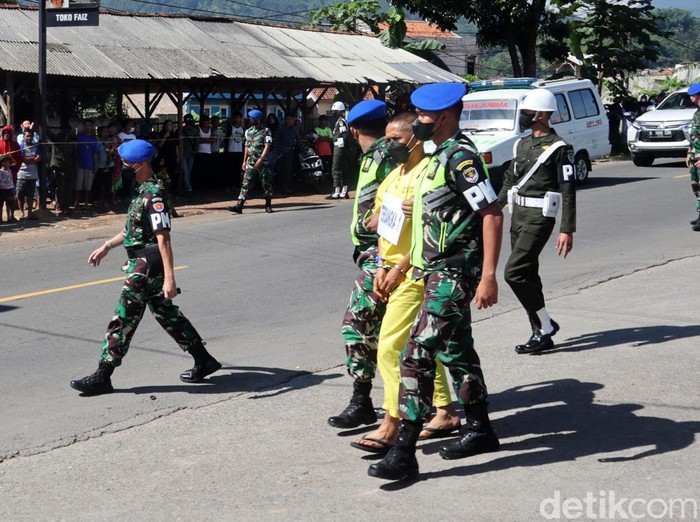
{"points": [[391, 219]]}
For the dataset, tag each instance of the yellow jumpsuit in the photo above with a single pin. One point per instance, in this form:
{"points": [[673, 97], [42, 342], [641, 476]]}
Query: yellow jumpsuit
{"points": [[404, 302]]}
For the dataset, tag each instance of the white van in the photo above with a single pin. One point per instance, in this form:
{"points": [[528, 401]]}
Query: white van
{"points": [[492, 108]]}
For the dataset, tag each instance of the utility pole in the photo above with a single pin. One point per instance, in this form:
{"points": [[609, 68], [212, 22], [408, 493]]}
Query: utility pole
{"points": [[43, 120]]}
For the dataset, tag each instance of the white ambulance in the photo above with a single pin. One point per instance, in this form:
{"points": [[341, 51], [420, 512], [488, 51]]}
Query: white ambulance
{"points": [[490, 119]]}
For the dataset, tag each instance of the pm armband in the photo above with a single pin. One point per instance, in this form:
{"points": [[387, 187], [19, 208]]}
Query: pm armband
{"points": [[480, 195]]}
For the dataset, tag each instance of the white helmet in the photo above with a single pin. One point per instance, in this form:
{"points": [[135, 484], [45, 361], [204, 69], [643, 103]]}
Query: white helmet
{"points": [[539, 100], [338, 106]]}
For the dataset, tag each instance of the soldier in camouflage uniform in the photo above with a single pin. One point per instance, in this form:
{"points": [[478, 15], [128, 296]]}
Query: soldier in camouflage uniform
{"points": [[363, 316], [692, 160], [548, 161], [256, 151], [457, 228], [150, 279]]}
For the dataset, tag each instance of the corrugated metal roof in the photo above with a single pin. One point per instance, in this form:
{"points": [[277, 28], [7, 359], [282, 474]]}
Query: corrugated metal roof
{"points": [[161, 47]]}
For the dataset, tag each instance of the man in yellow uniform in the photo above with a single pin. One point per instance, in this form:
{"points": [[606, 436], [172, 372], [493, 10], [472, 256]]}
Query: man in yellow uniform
{"points": [[394, 283], [457, 228]]}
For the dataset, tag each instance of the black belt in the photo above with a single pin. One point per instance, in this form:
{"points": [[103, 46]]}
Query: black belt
{"points": [[148, 251]]}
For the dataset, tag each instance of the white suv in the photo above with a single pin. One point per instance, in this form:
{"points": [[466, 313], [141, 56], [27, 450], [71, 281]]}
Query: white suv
{"points": [[491, 109], [661, 132]]}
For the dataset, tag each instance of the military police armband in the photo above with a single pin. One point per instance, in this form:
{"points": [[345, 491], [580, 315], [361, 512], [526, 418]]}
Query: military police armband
{"points": [[159, 216], [566, 171], [480, 195]]}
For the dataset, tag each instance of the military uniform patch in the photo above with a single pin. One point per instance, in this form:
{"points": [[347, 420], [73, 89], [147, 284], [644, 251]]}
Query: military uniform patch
{"points": [[158, 207], [433, 170], [367, 163], [470, 174]]}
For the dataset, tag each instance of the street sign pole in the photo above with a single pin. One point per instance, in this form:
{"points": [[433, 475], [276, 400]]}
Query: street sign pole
{"points": [[43, 120]]}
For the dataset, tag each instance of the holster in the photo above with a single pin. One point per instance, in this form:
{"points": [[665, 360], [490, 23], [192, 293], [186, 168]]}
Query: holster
{"points": [[150, 252]]}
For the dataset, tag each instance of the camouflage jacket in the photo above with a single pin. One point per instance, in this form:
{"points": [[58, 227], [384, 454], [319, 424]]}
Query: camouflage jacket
{"points": [[695, 136], [446, 223], [255, 141], [375, 166], [147, 214]]}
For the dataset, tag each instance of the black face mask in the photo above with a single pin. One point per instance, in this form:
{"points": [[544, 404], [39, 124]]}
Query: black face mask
{"points": [[398, 152], [423, 131], [526, 120], [128, 172]]}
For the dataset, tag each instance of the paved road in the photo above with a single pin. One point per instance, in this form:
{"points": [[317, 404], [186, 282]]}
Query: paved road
{"points": [[267, 292]]}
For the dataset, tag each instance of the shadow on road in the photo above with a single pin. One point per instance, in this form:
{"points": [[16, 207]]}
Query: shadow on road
{"points": [[267, 382], [640, 336], [599, 182], [561, 422]]}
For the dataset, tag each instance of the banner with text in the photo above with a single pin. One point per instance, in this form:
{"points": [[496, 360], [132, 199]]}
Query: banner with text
{"points": [[69, 13]]}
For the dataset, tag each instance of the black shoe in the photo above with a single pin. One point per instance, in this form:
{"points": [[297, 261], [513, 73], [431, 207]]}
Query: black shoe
{"points": [[696, 226], [333, 196], [354, 415], [199, 371], [469, 444], [399, 464], [538, 342], [695, 221], [555, 327], [98, 383], [238, 209]]}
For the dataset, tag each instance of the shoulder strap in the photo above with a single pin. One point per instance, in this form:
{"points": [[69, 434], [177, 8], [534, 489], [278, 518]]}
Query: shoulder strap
{"points": [[515, 147], [543, 157]]}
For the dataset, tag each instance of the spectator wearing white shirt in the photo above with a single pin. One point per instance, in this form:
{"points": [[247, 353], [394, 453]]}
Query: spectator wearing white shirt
{"points": [[234, 151]]}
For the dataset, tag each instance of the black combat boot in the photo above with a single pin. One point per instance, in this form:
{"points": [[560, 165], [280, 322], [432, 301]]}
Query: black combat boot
{"points": [[477, 435], [695, 221], [400, 463], [359, 411], [98, 383], [238, 209], [268, 204], [204, 364], [539, 341]]}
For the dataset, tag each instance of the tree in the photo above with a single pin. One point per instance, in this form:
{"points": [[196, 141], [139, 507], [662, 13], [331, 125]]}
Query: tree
{"points": [[518, 25], [616, 38], [683, 46], [339, 17], [345, 16]]}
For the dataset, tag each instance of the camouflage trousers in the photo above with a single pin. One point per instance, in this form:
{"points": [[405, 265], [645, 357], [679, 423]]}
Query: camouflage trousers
{"points": [[695, 176], [251, 173], [362, 321], [142, 289], [442, 329]]}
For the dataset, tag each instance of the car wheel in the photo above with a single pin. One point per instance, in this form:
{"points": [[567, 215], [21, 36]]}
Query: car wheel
{"points": [[581, 166], [642, 160]]}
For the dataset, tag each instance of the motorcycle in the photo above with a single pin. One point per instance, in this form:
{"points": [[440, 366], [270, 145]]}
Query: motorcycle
{"points": [[310, 165]]}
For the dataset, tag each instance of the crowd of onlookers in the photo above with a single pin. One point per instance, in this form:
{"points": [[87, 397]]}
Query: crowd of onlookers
{"points": [[84, 170]]}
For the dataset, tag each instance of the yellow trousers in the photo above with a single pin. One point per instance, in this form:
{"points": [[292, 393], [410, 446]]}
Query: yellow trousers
{"points": [[401, 311]]}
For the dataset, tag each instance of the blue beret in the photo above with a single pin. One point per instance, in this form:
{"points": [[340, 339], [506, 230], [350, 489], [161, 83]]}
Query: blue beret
{"points": [[136, 151], [255, 114], [694, 89], [367, 110], [438, 96]]}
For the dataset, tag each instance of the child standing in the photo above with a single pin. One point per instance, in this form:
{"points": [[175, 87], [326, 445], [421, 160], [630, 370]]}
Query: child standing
{"points": [[7, 188]]}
